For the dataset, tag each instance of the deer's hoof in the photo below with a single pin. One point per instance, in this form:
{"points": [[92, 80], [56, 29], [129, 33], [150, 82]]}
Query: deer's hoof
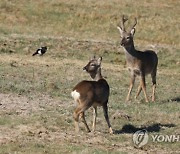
{"points": [[110, 130]]}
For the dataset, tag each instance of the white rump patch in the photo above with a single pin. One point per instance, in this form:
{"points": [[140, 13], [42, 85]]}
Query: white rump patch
{"points": [[75, 95]]}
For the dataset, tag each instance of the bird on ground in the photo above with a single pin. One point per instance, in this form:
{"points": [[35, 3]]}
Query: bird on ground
{"points": [[40, 51]]}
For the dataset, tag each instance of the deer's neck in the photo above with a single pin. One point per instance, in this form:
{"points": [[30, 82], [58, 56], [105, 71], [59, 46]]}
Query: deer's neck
{"points": [[96, 75], [130, 51]]}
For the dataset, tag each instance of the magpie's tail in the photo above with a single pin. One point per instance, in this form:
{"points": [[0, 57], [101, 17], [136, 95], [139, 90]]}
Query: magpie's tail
{"points": [[34, 54]]}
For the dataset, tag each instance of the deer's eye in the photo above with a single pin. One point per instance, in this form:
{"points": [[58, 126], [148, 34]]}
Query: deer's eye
{"points": [[128, 37]]}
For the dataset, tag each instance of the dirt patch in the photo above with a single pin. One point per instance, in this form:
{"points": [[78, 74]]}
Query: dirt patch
{"points": [[23, 105], [15, 106]]}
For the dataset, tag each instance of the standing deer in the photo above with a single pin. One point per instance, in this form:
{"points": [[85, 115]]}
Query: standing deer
{"points": [[91, 93], [139, 63]]}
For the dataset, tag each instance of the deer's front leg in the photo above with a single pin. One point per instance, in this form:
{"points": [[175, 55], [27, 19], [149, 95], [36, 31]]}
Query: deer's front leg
{"points": [[130, 87], [105, 109], [153, 75]]}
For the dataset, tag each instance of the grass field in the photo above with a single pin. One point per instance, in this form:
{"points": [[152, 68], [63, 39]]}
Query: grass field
{"points": [[35, 103]]}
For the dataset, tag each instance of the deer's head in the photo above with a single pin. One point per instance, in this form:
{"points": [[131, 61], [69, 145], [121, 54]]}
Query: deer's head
{"points": [[93, 66], [126, 36]]}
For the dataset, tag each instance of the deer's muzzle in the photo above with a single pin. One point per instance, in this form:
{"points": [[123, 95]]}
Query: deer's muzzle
{"points": [[122, 43], [85, 68]]}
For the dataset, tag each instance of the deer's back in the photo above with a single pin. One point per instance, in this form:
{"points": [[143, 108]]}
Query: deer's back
{"points": [[144, 61], [93, 91]]}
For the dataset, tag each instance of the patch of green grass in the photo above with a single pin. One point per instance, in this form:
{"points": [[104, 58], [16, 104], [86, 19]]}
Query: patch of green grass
{"points": [[11, 119], [30, 147]]}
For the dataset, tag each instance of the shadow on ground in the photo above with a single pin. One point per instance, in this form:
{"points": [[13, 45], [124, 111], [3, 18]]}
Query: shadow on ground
{"points": [[175, 99], [152, 128]]}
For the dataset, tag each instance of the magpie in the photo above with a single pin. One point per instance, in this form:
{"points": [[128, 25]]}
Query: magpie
{"points": [[40, 51]]}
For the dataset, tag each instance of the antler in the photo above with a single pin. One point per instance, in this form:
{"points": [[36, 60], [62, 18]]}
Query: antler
{"points": [[135, 22], [122, 23]]}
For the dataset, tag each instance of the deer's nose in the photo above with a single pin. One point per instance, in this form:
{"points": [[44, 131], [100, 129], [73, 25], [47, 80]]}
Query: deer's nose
{"points": [[84, 68], [122, 43]]}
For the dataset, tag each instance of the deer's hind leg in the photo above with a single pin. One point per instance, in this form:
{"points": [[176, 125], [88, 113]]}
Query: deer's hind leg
{"points": [[153, 76], [143, 83], [76, 119], [79, 112], [82, 116]]}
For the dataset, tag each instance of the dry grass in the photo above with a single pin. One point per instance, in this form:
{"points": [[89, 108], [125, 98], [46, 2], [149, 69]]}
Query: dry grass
{"points": [[158, 21], [36, 107]]}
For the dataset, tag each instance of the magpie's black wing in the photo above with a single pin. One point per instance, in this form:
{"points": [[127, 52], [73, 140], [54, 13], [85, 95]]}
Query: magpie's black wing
{"points": [[36, 52]]}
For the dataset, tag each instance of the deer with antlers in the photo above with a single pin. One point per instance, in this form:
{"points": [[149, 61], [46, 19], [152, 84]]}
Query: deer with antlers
{"points": [[139, 63], [91, 93]]}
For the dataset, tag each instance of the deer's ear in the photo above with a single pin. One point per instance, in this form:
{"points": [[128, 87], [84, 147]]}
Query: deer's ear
{"points": [[99, 60], [133, 31], [92, 58], [120, 30]]}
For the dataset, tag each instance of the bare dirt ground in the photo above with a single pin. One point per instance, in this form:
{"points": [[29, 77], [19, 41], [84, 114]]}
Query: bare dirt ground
{"points": [[21, 106], [18, 106]]}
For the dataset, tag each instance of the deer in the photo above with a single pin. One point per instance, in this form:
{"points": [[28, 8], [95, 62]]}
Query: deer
{"points": [[93, 93], [139, 63]]}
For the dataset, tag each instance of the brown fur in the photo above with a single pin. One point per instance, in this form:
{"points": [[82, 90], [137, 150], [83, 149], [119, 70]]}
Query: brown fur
{"points": [[92, 93]]}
